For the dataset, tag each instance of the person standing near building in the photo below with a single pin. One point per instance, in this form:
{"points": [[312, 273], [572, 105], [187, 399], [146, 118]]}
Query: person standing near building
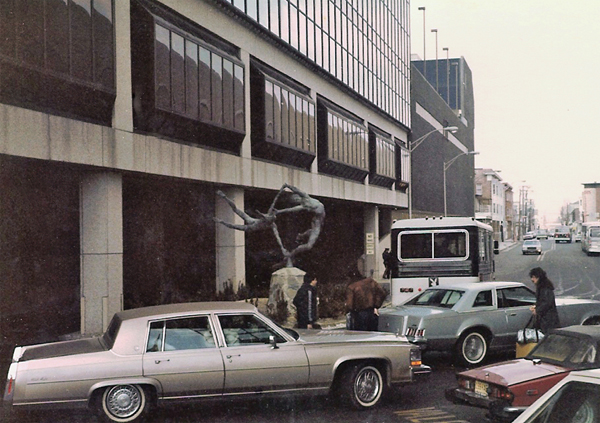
{"points": [[306, 303], [363, 299], [387, 263], [544, 309]]}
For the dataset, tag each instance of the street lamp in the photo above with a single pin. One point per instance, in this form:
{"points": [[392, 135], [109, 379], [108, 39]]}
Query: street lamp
{"points": [[437, 80], [446, 166], [447, 50], [412, 147], [424, 43]]}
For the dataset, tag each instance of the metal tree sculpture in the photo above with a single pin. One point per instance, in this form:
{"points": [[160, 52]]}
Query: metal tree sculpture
{"points": [[301, 202]]}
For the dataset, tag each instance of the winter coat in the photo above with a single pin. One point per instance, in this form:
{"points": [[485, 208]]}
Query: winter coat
{"points": [[306, 305], [364, 295], [545, 309]]}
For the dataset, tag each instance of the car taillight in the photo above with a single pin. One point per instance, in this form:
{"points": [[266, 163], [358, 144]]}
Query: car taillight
{"points": [[415, 357], [9, 386], [468, 384], [501, 392]]}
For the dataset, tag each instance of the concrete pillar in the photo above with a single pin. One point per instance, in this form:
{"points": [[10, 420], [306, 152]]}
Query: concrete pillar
{"points": [[372, 241], [101, 209], [122, 112], [231, 265]]}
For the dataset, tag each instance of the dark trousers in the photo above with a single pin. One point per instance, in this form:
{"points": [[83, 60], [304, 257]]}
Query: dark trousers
{"points": [[365, 320]]}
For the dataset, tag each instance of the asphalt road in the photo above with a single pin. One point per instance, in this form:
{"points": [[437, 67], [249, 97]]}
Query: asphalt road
{"points": [[573, 273]]}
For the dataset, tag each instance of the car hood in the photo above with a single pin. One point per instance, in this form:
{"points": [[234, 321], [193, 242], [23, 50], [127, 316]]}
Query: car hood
{"points": [[336, 335], [513, 372], [60, 349]]}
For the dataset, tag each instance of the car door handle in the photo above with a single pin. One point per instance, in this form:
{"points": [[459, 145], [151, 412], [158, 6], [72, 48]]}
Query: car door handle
{"points": [[229, 357], [512, 314], [160, 361]]}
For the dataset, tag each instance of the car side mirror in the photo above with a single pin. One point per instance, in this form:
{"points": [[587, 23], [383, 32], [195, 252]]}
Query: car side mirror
{"points": [[273, 342], [496, 247]]}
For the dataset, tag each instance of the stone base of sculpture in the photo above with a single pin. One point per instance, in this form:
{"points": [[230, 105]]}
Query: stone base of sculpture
{"points": [[285, 283]]}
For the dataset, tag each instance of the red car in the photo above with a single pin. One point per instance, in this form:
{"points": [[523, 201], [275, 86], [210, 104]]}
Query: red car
{"points": [[508, 388]]}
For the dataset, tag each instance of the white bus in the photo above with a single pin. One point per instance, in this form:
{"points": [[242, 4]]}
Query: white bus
{"points": [[590, 237], [435, 251]]}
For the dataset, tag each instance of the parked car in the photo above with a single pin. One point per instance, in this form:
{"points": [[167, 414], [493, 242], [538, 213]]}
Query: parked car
{"points": [[562, 234], [199, 350], [575, 399], [529, 235], [470, 319], [532, 246], [508, 388]]}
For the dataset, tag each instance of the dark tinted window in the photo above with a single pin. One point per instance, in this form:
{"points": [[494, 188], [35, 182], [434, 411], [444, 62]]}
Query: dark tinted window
{"points": [[445, 298], [515, 297]]}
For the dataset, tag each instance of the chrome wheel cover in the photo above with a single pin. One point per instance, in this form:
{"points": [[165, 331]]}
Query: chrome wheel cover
{"points": [[123, 401], [367, 386], [474, 348]]}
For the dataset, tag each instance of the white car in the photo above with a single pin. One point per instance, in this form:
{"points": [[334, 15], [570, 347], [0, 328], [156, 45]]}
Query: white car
{"points": [[574, 399], [532, 246]]}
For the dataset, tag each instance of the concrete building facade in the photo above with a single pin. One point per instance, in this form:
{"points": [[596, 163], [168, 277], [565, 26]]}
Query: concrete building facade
{"points": [[120, 121], [491, 201], [590, 202]]}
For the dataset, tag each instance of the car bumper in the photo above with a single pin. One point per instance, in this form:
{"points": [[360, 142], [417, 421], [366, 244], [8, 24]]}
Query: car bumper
{"points": [[500, 410], [421, 373]]}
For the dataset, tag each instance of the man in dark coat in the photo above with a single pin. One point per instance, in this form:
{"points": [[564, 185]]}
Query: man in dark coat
{"points": [[363, 299], [387, 262], [306, 303]]}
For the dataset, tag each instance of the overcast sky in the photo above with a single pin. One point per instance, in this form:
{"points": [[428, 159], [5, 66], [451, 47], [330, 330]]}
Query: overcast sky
{"points": [[536, 78]]}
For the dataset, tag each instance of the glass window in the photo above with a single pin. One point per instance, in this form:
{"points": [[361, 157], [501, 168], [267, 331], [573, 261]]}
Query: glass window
{"points": [[180, 334], [81, 39], [205, 85], [228, 93], [247, 329], [573, 402], [516, 297], [450, 244], [269, 124], [483, 299], [57, 19], [177, 73], [217, 88], [238, 96], [191, 79], [162, 76], [445, 298], [416, 245]]}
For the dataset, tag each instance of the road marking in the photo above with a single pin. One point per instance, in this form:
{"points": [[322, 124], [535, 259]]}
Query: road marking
{"points": [[541, 256], [428, 415]]}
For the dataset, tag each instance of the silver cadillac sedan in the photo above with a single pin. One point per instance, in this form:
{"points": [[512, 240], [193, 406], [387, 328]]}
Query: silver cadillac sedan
{"points": [[156, 355]]}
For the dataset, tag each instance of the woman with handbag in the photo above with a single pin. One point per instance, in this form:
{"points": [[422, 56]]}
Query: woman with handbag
{"points": [[544, 309]]}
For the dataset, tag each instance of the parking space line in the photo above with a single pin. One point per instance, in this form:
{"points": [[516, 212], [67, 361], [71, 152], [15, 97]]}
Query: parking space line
{"points": [[428, 415]]}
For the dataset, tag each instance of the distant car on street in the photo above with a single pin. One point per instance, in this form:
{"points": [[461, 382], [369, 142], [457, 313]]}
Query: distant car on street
{"points": [[542, 234], [508, 388], [532, 246], [529, 235], [183, 352], [470, 319], [562, 234]]}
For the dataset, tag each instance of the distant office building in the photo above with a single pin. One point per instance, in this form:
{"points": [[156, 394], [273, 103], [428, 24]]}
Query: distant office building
{"points": [[120, 120], [442, 155], [491, 200], [590, 202]]}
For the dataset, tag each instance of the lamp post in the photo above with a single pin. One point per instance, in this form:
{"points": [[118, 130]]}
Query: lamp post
{"points": [[446, 166], [424, 56], [412, 147], [447, 50], [437, 81]]}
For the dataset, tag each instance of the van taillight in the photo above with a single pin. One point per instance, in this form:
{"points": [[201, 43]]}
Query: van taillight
{"points": [[9, 386]]}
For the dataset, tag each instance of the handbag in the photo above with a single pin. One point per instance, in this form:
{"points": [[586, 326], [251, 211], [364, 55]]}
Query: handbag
{"points": [[529, 334]]}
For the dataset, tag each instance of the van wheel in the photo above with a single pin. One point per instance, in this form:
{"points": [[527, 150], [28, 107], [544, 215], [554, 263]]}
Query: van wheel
{"points": [[471, 348], [361, 386], [124, 403]]}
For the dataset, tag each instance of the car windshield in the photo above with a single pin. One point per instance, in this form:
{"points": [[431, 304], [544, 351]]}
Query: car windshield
{"points": [[111, 332], [530, 242], [566, 350], [445, 298]]}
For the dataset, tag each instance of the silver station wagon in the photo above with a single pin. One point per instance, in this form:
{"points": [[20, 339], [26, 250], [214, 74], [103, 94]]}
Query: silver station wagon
{"points": [[472, 318], [193, 351]]}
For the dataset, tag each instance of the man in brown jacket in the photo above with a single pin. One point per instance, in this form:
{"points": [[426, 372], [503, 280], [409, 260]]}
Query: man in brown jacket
{"points": [[363, 299]]}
